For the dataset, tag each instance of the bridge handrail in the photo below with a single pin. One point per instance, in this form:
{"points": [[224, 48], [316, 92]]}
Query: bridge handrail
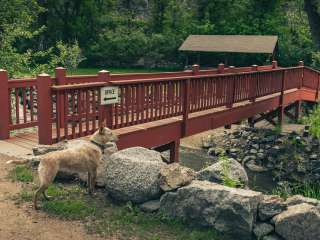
{"points": [[312, 69], [126, 82], [77, 86]]}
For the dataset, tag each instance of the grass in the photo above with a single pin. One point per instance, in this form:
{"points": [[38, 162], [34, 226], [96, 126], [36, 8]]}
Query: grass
{"points": [[227, 180], [310, 190], [102, 216], [90, 71], [21, 174], [114, 70]]}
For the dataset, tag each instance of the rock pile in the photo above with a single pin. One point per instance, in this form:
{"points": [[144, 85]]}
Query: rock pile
{"points": [[291, 157], [139, 175]]}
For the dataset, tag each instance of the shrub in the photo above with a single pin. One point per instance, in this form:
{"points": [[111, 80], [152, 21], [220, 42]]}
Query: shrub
{"points": [[68, 56], [314, 121]]}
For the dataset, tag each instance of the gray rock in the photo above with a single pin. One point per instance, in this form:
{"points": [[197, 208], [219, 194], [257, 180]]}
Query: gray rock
{"points": [[214, 173], [262, 229], [43, 149], [255, 146], [298, 222], [133, 175], [252, 166], [174, 175], [298, 199], [271, 237], [229, 210], [215, 151], [234, 150], [212, 205], [207, 142], [150, 206], [253, 151], [313, 157], [270, 206]]}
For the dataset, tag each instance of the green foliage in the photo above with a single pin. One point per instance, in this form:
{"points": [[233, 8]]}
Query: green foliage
{"points": [[102, 216], [310, 190], [37, 35], [69, 56], [227, 179], [21, 174], [314, 121]]}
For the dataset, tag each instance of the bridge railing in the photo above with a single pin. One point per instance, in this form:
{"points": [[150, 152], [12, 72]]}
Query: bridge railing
{"points": [[70, 105]]}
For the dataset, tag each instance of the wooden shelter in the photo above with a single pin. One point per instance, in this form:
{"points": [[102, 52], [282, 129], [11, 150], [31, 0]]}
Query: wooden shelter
{"points": [[231, 44]]}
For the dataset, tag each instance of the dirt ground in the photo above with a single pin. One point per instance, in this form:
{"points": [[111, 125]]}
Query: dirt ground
{"points": [[21, 222]]}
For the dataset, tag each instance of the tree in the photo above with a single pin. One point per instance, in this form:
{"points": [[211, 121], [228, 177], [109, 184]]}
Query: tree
{"points": [[312, 8]]}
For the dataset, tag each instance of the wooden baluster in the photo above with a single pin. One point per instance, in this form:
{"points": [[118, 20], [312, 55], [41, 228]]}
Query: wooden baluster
{"points": [[254, 83], [61, 74], [281, 104], [232, 88], [186, 107]]}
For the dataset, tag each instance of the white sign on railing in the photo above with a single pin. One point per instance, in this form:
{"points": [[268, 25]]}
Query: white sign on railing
{"points": [[109, 95]]}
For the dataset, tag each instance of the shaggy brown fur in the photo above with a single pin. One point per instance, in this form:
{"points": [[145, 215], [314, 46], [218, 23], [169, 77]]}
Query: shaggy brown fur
{"points": [[81, 158]]}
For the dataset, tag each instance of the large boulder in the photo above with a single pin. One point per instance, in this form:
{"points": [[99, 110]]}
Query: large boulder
{"points": [[132, 174], [298, 222], [174, 175], [262, 229], [270, 206], [298, 199], [214, 173], [229, 210], [43, 149]]}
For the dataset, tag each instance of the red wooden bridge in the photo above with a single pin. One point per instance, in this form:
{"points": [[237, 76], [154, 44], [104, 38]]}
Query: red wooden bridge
{"points": [[155, 110]]}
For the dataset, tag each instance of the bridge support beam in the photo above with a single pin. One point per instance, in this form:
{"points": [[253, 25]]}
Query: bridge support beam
{"points": [[297, 110], [173, 147], [174, 151]]}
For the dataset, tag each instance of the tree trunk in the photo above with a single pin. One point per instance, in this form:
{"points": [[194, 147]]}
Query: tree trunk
{"points": [[314, 19]]}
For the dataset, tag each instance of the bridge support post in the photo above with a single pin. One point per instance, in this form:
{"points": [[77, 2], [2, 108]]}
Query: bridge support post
{"points": [[251, 122], [174, 151], [297, 110], [5, 105], [60, 74], [44, 109], [105, 112]]}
